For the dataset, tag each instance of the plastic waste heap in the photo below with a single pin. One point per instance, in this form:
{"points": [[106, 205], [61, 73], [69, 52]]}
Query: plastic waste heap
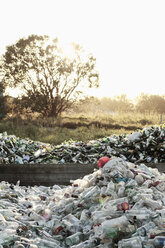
{"points": [[120, 204], [146, 145]]}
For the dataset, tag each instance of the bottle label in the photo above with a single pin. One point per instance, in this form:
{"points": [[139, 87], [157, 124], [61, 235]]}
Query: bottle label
{"points": [[161, 241]]}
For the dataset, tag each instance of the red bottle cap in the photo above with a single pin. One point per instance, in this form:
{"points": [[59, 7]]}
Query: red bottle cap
{"points": [[125, 205]]}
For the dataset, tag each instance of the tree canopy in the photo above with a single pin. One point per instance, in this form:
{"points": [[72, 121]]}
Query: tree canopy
{"points": [[49, 80], [151, 103]]}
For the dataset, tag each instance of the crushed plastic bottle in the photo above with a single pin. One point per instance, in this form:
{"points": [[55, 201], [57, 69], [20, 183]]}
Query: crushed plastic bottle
{"points": [[142, 146], [107, 208]]}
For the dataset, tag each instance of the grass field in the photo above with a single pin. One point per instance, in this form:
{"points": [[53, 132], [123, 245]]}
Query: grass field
{"points": [[76, 127]]}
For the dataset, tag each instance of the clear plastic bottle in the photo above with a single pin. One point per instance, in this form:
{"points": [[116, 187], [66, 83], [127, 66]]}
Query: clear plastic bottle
{"points": [[144, 230], [134, 242], [110, 227], [44, 243], [121, 192], [92, 192], [140, 214], [8, 241], [110, 189], [19, 244], [74, 239], [71, 223], [152, 204], [159, 241], [148, 243]]}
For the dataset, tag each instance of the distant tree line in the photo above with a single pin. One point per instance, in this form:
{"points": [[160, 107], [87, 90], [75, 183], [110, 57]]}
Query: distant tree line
{"points": [[144, 103]]}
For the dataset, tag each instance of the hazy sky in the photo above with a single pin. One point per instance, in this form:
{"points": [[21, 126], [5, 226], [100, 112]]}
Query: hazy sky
{"points": [[127, 37]]}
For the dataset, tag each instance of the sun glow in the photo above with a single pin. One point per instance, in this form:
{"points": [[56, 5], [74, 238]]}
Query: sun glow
{"points": [[125, 37], [67, 49], [13, 92]]}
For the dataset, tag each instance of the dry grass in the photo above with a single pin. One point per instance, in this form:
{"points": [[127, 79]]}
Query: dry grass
{"points": [[78, 126]]}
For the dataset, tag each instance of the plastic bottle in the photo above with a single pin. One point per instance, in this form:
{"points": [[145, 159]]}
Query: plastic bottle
{"points": [[148, 244], [144, 230], [110, 227], [134, 242], [120, 188], [140, 214], [8, 234], [44, 243], [145, 169], [153, 205], [18, 160], [84, 216], [110, 189], [47, 214], [8, 241], [161, 212], [71, 223], [20, 244], [94, 191], [119, 185], [100, 215], [74, 239], [37, 153], [34, 216], [157, 232], [121, 192], [26, 159], [159, 241]]}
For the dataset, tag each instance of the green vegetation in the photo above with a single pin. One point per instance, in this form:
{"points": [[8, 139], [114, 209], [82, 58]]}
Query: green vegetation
{"points": [[76, 127], [89, 119]]}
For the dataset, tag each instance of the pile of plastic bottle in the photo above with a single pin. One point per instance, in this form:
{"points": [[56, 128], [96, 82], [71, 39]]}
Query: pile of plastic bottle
{"points": [[146, 145], [120, 204]]}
